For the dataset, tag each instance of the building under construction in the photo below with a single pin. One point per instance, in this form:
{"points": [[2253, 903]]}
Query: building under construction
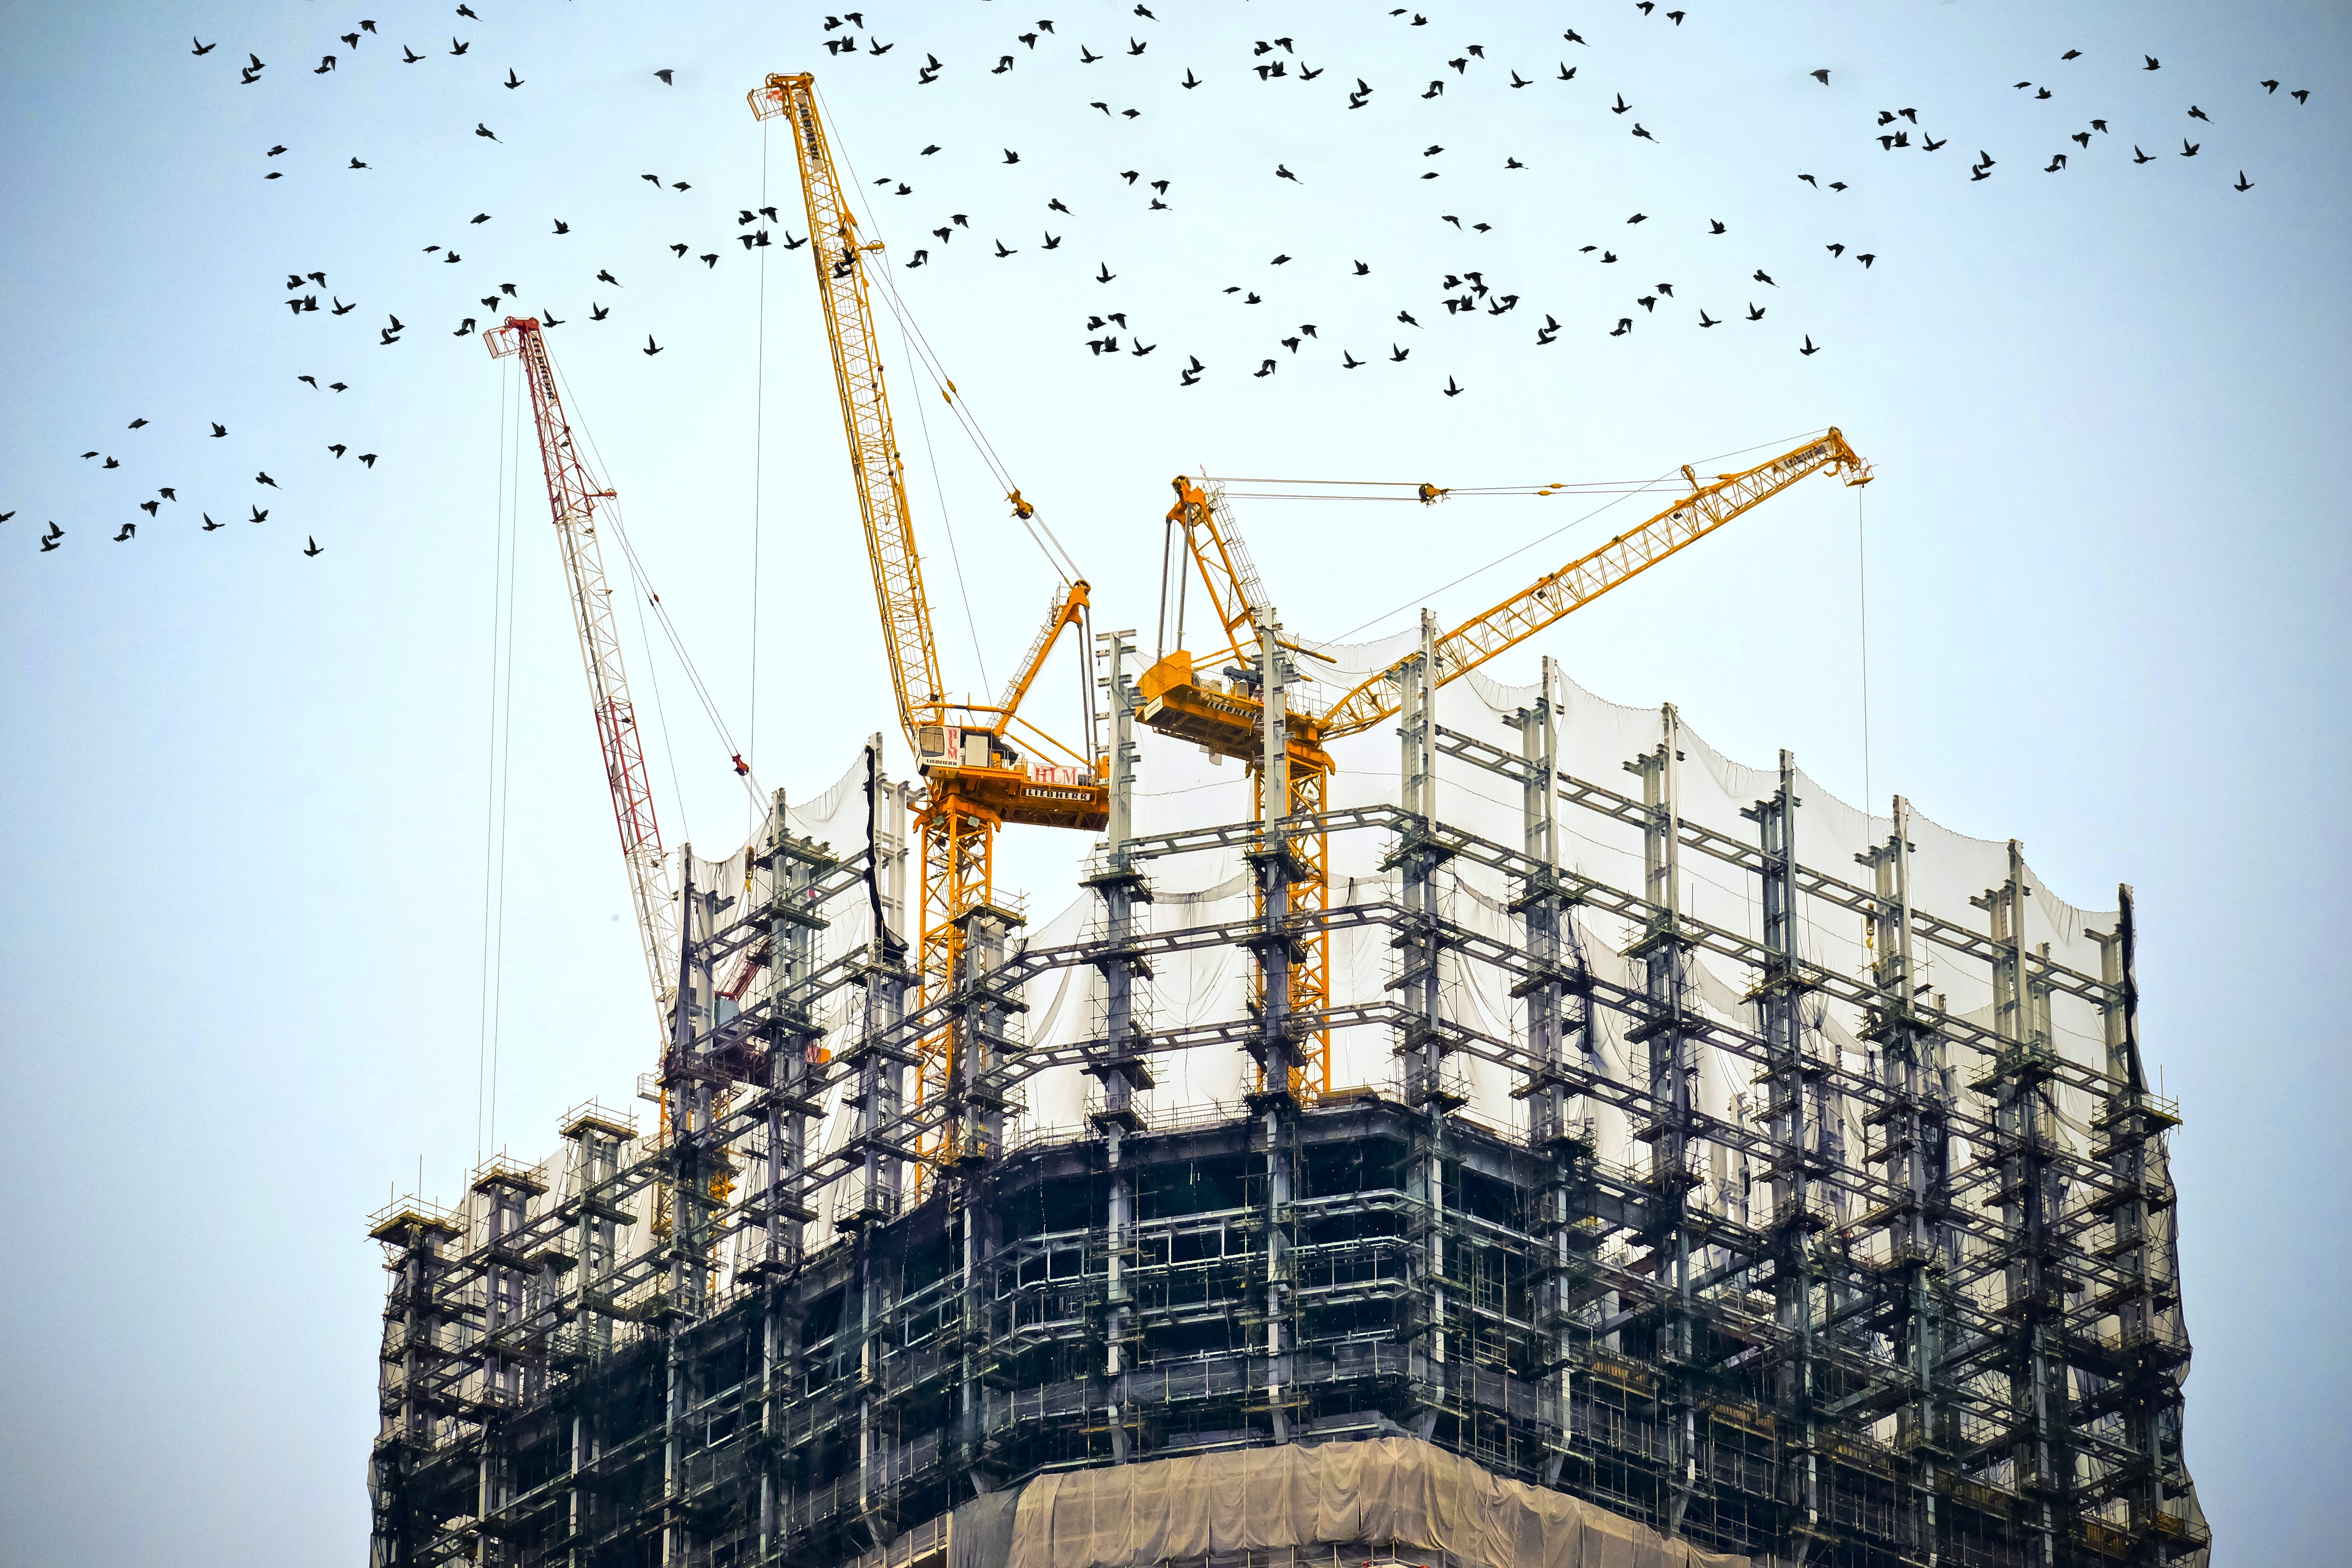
{"points": [[1451, 1122]]}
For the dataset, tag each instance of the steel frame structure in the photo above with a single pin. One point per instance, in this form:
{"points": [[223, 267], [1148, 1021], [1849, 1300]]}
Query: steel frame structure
{"points": [[1960, 1342]]}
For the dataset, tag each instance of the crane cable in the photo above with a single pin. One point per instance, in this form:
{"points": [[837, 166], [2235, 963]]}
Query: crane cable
{"points": [[759, 444], [643, 581], [927, 359], [1424, 597]]}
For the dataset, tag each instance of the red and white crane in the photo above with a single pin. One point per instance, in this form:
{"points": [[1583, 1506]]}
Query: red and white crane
{"points": [[572, 497]]}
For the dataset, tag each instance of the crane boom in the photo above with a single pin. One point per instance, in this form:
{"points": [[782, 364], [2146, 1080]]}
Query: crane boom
{"points": [[571, 498], [1589, 576], [874, 460]]}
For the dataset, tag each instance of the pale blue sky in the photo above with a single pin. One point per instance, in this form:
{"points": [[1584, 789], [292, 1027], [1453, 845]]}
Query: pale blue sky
{"points": [[245, 800]]}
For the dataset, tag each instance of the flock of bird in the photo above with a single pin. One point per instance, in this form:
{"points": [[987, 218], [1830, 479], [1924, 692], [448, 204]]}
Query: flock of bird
{"points": [[1463, 292]]}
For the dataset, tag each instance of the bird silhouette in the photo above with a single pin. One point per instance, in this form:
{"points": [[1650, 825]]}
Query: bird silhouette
{"points": [[1189, 79], [607, 278], [1053, 241], [2243, 183], [1282, 173], [1362, 270], [651, 348], [1398, 355], [368, 459], [1809, 348], [2196, 113], [597, 312], [110, 463], [1754, 312], [1642, 133], [150, 507], [1406, 317], [1105, 275], [1866, 258], [664, 75], [1001, 252], [484, 132], [409, 56], [263, 479], [1622, 106], [313, 546], [1811, 181], [512, 81], [219, 430], [202, 48], [210, 524], [129, 530], [259, 515], [2140, 157], [1762, 276], [1349, 361], [457, 48], [338, 448], [2188, 148], [2151, 62], [1452, 390], [1823, 77], [1264, 370], [1624, 325]]}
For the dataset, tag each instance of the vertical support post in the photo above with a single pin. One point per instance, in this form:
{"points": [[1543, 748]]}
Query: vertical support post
{"points": [[1278, 867], [1122, 1067], [1662, 950], [1792, 1087], [1554, 1129], [1914, 1152], [2023, 1137]]}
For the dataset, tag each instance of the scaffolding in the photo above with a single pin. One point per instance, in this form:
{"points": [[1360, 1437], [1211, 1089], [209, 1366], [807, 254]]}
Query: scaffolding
{"points": [[1770, 1243]]}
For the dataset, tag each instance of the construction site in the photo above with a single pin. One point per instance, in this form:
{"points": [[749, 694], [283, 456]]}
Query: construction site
{"points": [[1451, 1122]]}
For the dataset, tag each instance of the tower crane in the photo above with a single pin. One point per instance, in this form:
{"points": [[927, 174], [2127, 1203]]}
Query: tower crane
{"points": [[975, 778], [571, 498], [1184, 697]]}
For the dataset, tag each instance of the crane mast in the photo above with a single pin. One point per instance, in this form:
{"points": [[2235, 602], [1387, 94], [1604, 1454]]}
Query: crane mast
{"points": [[571, 498], [1182, 699], [975, 779]]}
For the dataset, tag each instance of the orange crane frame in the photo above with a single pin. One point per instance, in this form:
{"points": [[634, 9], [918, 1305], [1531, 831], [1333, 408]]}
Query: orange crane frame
{"points": [[1177, 701], [974, 782]]}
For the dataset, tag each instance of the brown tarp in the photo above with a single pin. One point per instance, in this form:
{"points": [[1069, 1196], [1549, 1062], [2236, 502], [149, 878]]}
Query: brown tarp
{"points": [[1382, 1490]]}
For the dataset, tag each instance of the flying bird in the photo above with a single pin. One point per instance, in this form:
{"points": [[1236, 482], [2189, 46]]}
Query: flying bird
{"points": [[1754, 312], [1362, 270], [1105, 275], [259, 515], [1398, 355], [202, 48], [313, 544], [1349, 361], [1762, 276], [664, 75], [512, 81], [651, 348], [129, 530], [608, 278], [1809, 348], [210, 524], [2243, 183], [263, 479], [483, 130], [1452, 390], [219, 430], [2188, 148], [1282, 173], [2151, 62], [1823, 77], [2196, 113]]}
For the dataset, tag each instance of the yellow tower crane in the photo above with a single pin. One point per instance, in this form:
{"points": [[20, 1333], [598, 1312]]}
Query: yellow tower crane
{"points": [[975, 778], [1184, 696]]}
